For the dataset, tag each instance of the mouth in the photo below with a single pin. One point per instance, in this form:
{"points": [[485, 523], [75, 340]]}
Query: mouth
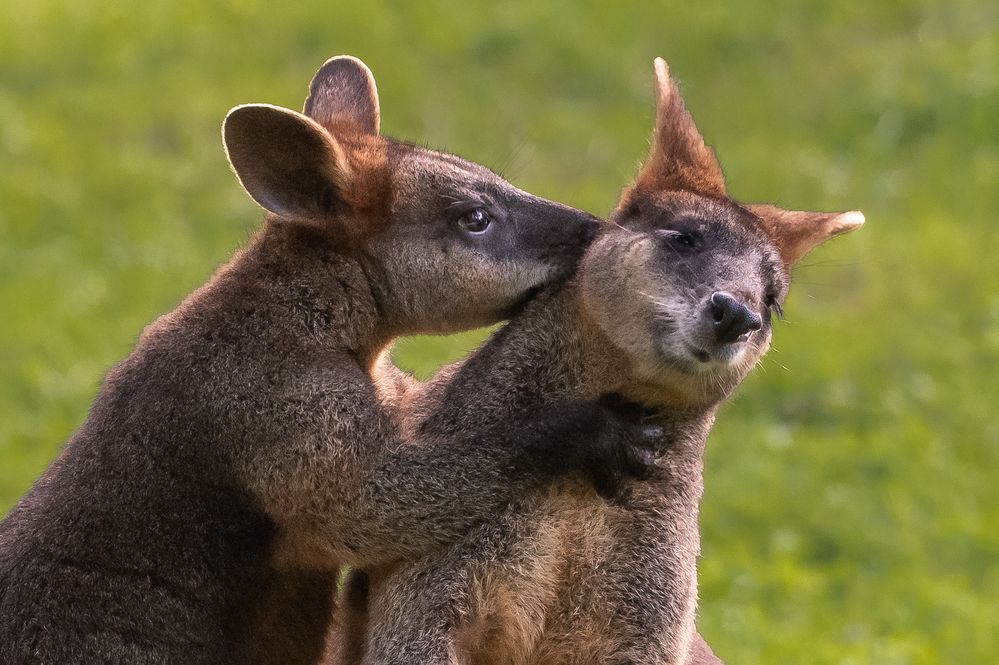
{"points": [[700, 354], [725, 355]]}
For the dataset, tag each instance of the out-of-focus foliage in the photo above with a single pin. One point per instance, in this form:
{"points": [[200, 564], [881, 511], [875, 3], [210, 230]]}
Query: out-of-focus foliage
{"points": [[852, 503]]}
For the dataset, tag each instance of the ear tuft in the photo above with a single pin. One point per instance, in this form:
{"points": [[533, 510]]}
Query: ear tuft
{"points": [[797, 232], [343, 96], [285, 161], [679, 158]]}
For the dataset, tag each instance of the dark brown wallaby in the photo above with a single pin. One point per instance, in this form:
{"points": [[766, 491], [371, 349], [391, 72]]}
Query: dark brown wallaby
{"points": [[670, 309], [239, 456]]}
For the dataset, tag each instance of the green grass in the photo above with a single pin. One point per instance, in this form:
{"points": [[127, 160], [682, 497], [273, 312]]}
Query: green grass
{"points": [[852, 504]]}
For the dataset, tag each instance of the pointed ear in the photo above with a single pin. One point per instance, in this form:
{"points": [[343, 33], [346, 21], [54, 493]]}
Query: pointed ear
{"points": [[797, 232], [343, 96], [286, 162], [679, 159]]}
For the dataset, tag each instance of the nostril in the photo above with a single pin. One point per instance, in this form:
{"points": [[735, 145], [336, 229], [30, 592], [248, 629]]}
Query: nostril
{"points": [[720, 305], [732, 320]]}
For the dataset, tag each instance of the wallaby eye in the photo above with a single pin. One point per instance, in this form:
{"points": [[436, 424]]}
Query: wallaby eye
{"points": [[681, 240], [684, 239], [475, 221], [774, 306]]}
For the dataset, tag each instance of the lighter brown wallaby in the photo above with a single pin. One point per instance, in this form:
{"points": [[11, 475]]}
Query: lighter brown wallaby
{"points": [[239, 456], [670, 309]]}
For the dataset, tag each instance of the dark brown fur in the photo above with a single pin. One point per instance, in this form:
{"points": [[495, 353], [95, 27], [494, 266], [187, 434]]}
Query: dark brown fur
{"points": [[239, 455], [562, 576]]}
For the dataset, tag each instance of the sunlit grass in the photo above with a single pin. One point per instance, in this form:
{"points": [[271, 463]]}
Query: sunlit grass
{"points": [[851, 512]]}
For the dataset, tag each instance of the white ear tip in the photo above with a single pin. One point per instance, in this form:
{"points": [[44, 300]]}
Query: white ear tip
{"points": [[662, 69], [851, 220]]}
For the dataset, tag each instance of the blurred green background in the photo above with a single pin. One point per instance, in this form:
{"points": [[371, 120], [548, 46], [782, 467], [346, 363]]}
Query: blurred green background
{"points": [[852, 502]]}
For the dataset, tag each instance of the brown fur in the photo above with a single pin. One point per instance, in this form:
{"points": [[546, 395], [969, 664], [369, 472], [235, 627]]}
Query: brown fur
{"points": [[795, 232], [680, 160], [240, 455], [562, 576]]}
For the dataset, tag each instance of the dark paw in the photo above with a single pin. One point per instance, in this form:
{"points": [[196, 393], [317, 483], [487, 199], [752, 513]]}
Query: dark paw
{"points": [[622, 452], [610, 443]]}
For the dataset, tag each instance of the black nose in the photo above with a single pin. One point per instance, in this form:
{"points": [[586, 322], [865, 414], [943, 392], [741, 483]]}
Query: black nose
{"points": [[733, 321]]}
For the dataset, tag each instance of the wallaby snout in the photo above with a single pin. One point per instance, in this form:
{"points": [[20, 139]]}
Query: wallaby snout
{"points": [[731, 320], [561, 233]]}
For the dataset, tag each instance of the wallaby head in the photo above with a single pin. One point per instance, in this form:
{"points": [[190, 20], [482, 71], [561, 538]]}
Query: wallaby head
{"points": [[444, 243], [688, 280]]}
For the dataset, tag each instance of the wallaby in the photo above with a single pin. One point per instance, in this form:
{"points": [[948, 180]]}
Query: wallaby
{"points": [[239, 456], [670, 309]]}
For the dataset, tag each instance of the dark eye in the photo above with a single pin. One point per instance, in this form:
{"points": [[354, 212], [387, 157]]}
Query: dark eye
{"points": [[684, 239], [681, 240], [475, 221], [774, 306]]}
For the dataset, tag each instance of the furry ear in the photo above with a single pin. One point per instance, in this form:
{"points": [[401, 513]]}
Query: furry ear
{"points": [[343, 97], [797, 232], [679, 159], [286, 162]]}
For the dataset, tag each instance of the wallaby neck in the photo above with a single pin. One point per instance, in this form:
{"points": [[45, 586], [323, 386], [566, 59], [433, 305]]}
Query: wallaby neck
{"points": [[551, 352], [289, 292]]}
